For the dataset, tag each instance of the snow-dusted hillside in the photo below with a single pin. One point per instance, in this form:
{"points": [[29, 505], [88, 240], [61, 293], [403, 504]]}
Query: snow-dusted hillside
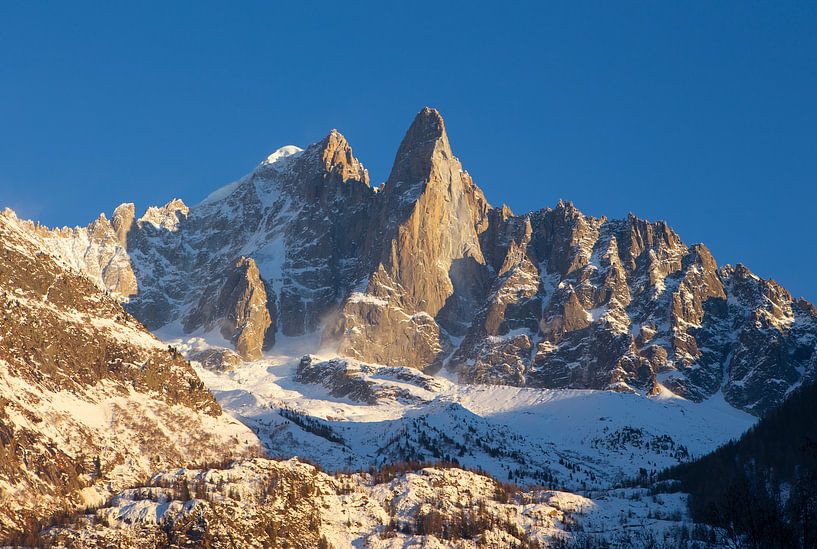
{"points": [[90, 401], [264, 503], [362, 329], [343, 414]]}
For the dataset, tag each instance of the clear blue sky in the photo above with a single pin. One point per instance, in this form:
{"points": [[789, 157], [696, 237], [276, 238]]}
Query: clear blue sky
{"points": [[700, 113]]}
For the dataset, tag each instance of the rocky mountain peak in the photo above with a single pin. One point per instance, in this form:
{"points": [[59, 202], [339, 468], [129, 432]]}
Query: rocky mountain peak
{"points": [[507, 213], [324, 171], [122, 221], [702, 254], [425, 143], [100, 226], [167, 217], [426, 273], [338, 159], [433, 216], [428, 126]]}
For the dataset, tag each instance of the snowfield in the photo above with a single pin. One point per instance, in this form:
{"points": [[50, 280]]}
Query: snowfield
{"points": [[347, 415]]}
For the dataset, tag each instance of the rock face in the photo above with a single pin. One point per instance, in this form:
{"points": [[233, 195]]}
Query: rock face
{"points": [[423, 272], [242, 310], [98, 250], [90, 401], [366, 383], [219, 360], [589, 303], [429, 273], [269, 254], [122, 222]]}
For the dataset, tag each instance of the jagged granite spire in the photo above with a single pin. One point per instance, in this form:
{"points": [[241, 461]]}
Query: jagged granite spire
{"points": [[425, 141], [433, 215], [339, 160]]}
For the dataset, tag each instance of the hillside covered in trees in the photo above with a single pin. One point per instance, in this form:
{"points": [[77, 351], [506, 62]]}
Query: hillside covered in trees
{"points": [[762, 488]]}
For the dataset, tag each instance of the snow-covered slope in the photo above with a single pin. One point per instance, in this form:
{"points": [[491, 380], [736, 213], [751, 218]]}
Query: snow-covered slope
{"points": [[343, 414], [360, 328]]}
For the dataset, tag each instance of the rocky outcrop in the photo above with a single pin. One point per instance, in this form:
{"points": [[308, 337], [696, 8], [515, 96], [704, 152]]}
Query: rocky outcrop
{"points": [[96, 250], [167, 217], [774, 341], [264, 503], [329, 207], [342, 378], [367, 383], [625, 305], [300, 216], [122, 222], [241, 311], [216, 359]]}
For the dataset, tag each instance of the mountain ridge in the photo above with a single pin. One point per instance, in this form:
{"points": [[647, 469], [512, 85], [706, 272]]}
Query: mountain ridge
{"points": [[423, 272]]}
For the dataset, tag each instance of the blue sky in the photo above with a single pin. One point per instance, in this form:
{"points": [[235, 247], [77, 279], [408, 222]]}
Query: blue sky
{"points": [[701, 113]]}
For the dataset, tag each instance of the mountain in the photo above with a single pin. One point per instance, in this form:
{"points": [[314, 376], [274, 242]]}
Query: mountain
{"points": [[426, 273], [422, 272], [419, 347], [90, 401]]}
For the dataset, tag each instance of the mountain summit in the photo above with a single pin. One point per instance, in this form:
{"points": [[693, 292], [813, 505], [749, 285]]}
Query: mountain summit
{"points": [[425, 273]]}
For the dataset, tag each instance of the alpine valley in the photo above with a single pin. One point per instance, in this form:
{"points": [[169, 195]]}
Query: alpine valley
{"points": [[307, 360]]}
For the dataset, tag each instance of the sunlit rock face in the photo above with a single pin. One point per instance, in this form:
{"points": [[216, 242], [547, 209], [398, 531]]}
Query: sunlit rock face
{"points": [[241, 310], [429, 275]]}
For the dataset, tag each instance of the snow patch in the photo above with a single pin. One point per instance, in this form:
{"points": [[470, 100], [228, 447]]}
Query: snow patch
{"points": [[284, 152]]}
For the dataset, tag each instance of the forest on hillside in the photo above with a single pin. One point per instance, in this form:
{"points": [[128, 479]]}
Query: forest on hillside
{"points": [[762, 488]]}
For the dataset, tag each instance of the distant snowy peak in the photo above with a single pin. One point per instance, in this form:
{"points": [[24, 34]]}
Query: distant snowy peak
{"points": [[297, 170], [287, 151], [329, 158], [277, 161]]}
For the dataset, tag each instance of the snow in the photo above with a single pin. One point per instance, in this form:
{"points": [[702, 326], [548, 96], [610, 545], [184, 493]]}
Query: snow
{"points": [[115, 421], [166, 217], [575, 418], [284, 152], [74, 249], [174, 334], [359, 297], [611, 435], [512, 334], [270, 260], [353, 510], [126, 334], [221, 193]]}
